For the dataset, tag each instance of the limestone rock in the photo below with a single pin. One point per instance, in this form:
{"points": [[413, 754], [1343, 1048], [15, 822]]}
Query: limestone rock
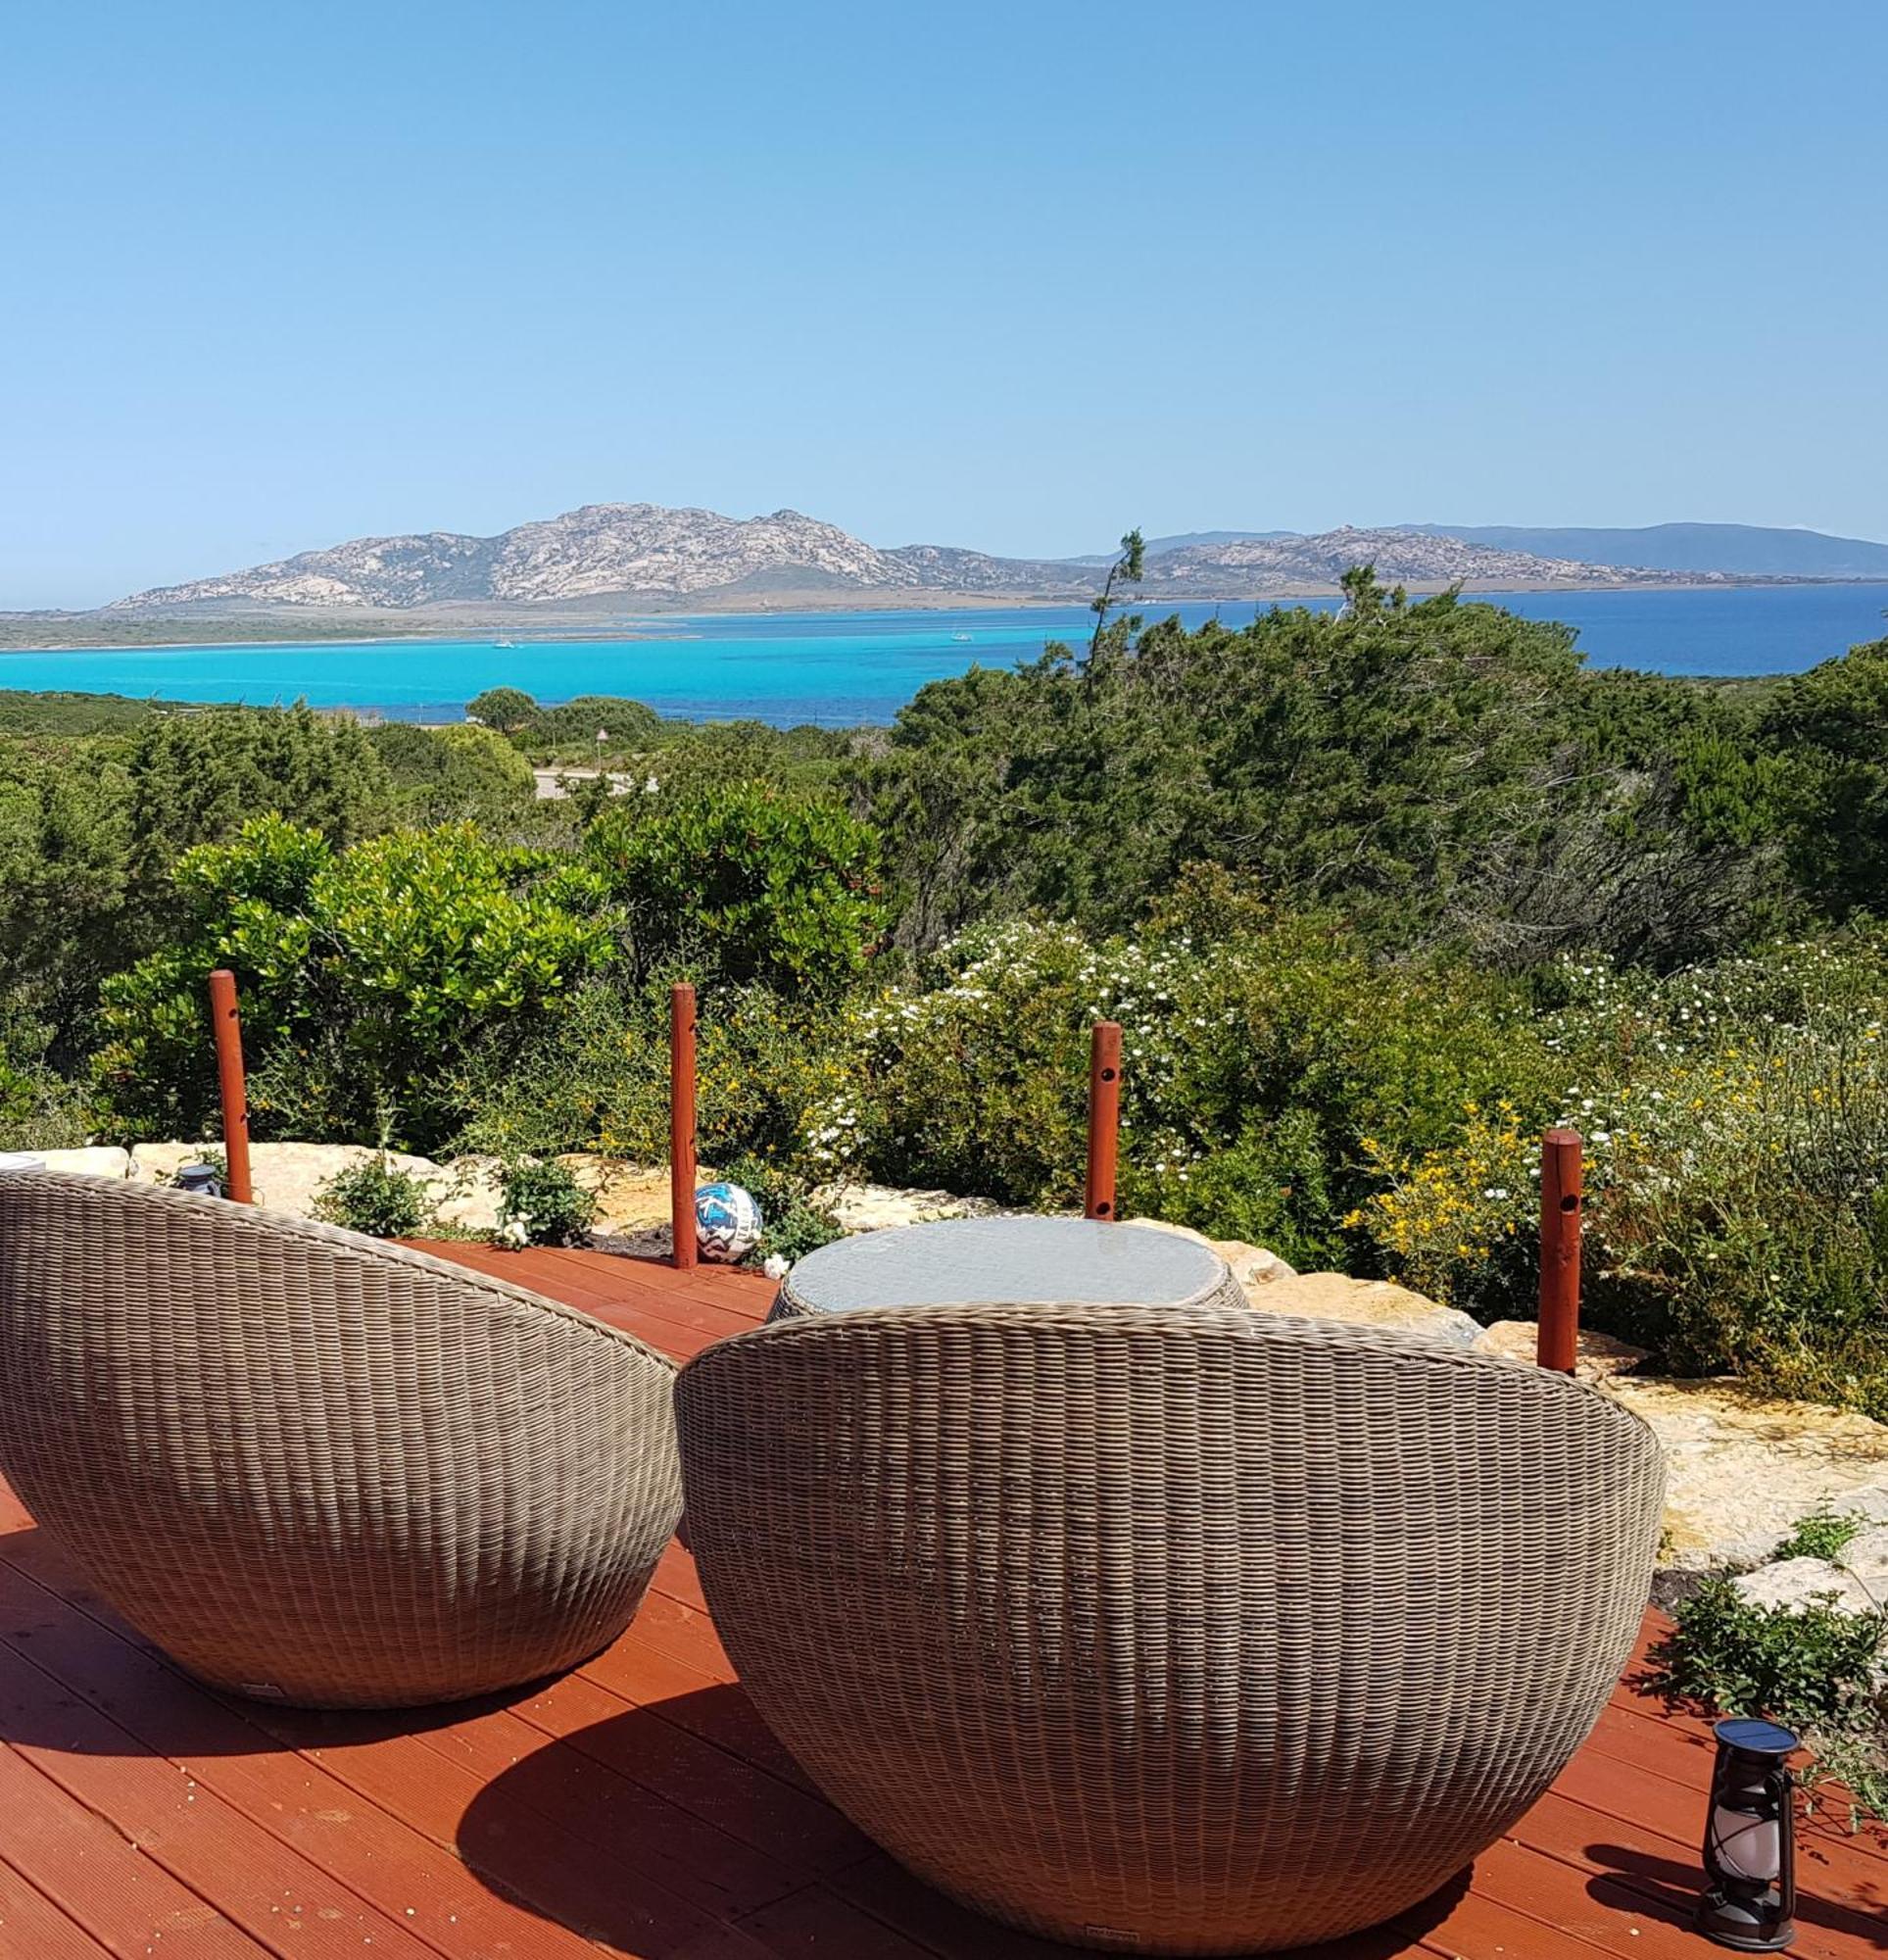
{"points": [[1366, 1303], [101, 1161], [630, 1198], [1796, 1584], [159, 1163], [1599, 1358], [876, 1207], [1865, 1556], [288, 1176], [1743, 1469], [465, 1193]]}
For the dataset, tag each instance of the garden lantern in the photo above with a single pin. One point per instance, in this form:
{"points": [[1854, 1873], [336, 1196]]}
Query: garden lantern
{"points": [[1749, 1840]]}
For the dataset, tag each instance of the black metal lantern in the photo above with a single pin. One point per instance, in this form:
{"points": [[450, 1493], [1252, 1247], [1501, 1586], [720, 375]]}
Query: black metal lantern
{"points": [[1749, 1840]]}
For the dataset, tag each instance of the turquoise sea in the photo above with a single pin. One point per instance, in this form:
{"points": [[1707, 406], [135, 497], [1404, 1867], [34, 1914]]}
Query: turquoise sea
{"points": [[844, 668]]}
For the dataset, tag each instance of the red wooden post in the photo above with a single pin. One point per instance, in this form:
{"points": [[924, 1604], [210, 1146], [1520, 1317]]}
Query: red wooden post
{"points": [[1558, 1346], [228, 1026], [1104, 1117], [681, 1126]]}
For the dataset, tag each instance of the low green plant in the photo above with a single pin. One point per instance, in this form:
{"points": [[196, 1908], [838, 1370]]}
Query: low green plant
{"points": [[1823, 1534], [1818, 1668], [791, 1225], [540, 1204], [375, 1196]]}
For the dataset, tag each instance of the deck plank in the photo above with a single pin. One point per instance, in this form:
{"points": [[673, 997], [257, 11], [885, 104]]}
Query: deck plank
{"points": [[32, 1927], [125, 1901], [638, 1806]]}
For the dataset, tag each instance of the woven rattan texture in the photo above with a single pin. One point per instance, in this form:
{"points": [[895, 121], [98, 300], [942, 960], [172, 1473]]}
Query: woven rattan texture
{"points": [[317, 1468], [1170, 1631]]}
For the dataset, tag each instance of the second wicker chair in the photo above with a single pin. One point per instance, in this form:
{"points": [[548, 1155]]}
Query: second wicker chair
{"points": [[1178, 1630], [317, 1468]]}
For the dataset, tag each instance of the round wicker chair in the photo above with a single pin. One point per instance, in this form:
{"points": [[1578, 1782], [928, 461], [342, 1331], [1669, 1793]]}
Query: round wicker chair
{"points": [[1172, 1631], [314, 1467]]}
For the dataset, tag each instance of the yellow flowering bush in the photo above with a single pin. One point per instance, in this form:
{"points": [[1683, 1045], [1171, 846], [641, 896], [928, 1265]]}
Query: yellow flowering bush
{"points": [[1456, 1222]]}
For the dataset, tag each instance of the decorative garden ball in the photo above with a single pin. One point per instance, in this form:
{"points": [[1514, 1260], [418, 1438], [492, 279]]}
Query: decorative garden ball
{"points": [[727, 1222]]}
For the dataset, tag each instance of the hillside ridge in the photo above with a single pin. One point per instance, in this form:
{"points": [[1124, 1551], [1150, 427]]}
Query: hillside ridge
{"points": [[650, 549]]}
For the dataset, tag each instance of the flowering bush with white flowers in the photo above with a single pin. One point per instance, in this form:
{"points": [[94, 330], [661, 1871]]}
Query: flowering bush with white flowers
{"points": [[1736, 1129]]}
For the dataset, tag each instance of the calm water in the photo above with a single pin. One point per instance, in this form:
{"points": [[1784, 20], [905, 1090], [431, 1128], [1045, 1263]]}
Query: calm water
{"points": [[844, 667]]}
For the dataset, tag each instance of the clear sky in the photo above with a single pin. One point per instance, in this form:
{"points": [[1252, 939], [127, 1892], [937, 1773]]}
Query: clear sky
{"points": [[1013, 276]]}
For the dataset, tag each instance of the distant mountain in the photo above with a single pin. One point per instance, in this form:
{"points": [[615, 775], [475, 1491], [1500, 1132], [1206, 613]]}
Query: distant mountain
{"points": [[646, 552], [1254, 566], [1184, 541], [1752, 550], [602, 548]]}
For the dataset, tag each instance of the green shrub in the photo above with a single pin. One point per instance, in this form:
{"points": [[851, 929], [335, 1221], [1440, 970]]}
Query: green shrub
{"points": [[1817, 1670], [540, 1204], [376, 1197], [769, 1068], [367, 978], [743, 883], [451, 775], [39, 1109], [1822, 1534]]}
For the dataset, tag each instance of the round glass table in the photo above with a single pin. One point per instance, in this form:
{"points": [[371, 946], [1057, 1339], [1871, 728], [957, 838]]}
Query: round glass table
{"points": [[1013, 1260]]}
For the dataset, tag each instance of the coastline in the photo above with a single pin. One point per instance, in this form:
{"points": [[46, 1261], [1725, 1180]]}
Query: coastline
{"points": [[573, 632]]}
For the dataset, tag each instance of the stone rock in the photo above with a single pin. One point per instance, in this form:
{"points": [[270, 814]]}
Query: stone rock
{"points": [[101, 1161], [159, 1163], [288, 1176], [1599, 1358], [1796, 1584], [1252, 1265], [1865, 1557], [876, 1207], [1743, 1469], [1367, 1304], [630, 1198], [464, 1194]]}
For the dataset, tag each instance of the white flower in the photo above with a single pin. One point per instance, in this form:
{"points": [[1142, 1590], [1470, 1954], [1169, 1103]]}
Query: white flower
{"points": [[774, 1266]]}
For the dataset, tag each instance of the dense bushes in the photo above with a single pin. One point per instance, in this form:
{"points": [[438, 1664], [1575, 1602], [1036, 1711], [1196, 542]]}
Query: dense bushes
{"points": [[742, 883], [368, 978], [1375, 897]]}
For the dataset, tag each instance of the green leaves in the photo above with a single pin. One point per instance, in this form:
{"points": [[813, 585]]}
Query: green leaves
{"points": [[743, 883], [363, 975]]}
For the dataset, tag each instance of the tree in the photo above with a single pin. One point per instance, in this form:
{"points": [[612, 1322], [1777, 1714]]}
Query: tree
{"points": [[509, 710], [446, 776], [743, 882], [1830, 728], [369, 976]]}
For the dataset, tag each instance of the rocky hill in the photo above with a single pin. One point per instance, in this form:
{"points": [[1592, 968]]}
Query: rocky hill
{"points": [[649, 552], [1253, 567]]}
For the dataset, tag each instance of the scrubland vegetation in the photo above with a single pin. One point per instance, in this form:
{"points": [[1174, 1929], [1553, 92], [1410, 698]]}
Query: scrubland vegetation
{"points": [[1375, 897]]}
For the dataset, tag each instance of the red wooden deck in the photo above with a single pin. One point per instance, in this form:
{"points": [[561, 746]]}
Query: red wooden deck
{"points": [[639, 1807]]}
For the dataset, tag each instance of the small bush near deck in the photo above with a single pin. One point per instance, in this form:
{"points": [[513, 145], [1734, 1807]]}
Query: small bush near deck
{"points": [[376, 1197], [1818, 1670], [1822, 1534], [542, 1204]]}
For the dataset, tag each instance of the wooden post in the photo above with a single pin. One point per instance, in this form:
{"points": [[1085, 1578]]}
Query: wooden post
{"points": [[1105, 1117], [681, 1126], [226, 1023], [1558, 1346]]}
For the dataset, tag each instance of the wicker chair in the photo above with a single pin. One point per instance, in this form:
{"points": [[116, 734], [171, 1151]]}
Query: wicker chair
{"points": [[1173, 1631], [314, 1467]]}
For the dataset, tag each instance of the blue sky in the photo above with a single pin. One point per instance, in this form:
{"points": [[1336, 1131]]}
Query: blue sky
{"points": [[1006, 276]]}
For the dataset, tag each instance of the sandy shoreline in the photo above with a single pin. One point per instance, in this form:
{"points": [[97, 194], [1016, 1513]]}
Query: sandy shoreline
{"points": [[480, 630]]}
